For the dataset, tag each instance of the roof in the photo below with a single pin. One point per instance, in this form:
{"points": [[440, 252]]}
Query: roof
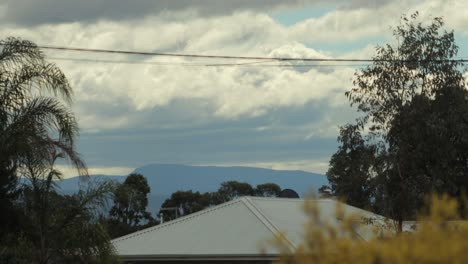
{"points": [[239, 228]]}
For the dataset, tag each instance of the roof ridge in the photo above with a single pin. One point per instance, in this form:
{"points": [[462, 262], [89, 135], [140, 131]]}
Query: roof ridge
{"points": [[176, 221], [264, 219], [276, 198], [292, 199]]}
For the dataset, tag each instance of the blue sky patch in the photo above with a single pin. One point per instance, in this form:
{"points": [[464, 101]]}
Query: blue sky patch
{"points": [[291, 17]]}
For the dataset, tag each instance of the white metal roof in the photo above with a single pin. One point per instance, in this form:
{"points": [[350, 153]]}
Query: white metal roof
{"points": [[240, 227]]}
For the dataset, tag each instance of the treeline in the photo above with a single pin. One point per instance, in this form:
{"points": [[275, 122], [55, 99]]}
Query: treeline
{"points": [[130, 200], [187, 202]]}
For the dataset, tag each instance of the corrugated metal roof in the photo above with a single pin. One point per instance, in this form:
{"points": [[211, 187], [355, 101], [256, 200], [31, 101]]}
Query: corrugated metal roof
{"points": [[239, 227]]}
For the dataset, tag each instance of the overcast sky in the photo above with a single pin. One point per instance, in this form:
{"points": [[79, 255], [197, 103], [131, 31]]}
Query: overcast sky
{"points": [[282, 118]]}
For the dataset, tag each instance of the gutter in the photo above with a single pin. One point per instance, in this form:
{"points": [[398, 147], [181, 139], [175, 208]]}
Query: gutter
{"points": [[218, 257]]}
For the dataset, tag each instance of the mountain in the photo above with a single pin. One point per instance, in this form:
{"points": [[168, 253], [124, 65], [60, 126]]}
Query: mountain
{"points": [[164, 179], [72, 184], [167, 178]]}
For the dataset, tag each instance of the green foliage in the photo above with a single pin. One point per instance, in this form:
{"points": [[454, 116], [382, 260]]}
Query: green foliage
{"points": [[57, 228], [422, 64], [268, 190], [185, 202], [188, 202], [231, 190], [414, 102], [35, 121], [128, 214], [38, 224], [325, 192], [351, 168]]}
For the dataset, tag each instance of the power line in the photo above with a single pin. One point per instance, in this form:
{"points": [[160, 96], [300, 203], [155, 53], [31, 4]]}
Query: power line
{"points": [[184, 64], [192, 55], [142, 53]]}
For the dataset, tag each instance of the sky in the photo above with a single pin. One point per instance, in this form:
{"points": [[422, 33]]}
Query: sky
{"points": [[152, 111]]}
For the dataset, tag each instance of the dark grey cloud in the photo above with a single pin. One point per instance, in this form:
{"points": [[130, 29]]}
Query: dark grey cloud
{"points": [[32, 12], [169, 137], [365, 3], [228, 145]]}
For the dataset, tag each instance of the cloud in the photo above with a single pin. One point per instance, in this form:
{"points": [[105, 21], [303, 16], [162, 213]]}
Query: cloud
{"points": [[345, 25], [218, 142], [68, 171], [169, 136], [26, 12], [227, 92], [131, 114], [376, 19], [357, 4], [110, 96], [315, 166], [452, 11]]}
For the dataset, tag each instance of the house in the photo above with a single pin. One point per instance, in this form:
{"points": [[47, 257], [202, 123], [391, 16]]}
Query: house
{"points": [[238, 231]]}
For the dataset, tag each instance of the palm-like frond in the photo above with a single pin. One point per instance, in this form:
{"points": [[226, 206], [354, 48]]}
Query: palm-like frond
{"points": [[41, 78], [37, 128], [23, 71], [32, 128], [35, 120], [16, 51]]}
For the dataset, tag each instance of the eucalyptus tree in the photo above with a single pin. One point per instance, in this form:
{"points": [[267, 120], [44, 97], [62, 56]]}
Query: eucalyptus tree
{"points": [[129, 211], [414, 102], [182, 203], [351, 169], [231, 190], [268, 190]]}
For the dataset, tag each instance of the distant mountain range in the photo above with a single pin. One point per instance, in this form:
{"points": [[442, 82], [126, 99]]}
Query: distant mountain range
{"points": [[164, 179]]}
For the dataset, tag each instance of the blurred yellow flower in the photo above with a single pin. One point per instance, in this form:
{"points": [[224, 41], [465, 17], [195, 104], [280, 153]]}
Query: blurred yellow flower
{"points": [[440, 236]]}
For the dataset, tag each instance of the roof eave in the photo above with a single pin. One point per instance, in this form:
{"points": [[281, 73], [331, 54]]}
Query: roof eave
{"points": [[218, 257]]}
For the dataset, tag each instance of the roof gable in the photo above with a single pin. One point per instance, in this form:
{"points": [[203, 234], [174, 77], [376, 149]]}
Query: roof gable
{"points": [[229, 229], [240, 227]]}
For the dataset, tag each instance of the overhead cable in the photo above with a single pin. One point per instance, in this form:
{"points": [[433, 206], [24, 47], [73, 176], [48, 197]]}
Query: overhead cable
{"points": [[188, 64], [142, 53]]}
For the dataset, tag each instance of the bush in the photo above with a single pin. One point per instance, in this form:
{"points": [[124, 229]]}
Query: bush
{"points": [[439, 237]]}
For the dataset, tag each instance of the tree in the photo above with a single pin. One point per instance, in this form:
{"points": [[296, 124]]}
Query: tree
{"points": [[231, 190], [37, 128], [268, 190], [188, 202], [325, 192], [34, 118], [423, 64], [351, 170], [443, 121], [185, 202], [414, 101], [130, 202]]}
